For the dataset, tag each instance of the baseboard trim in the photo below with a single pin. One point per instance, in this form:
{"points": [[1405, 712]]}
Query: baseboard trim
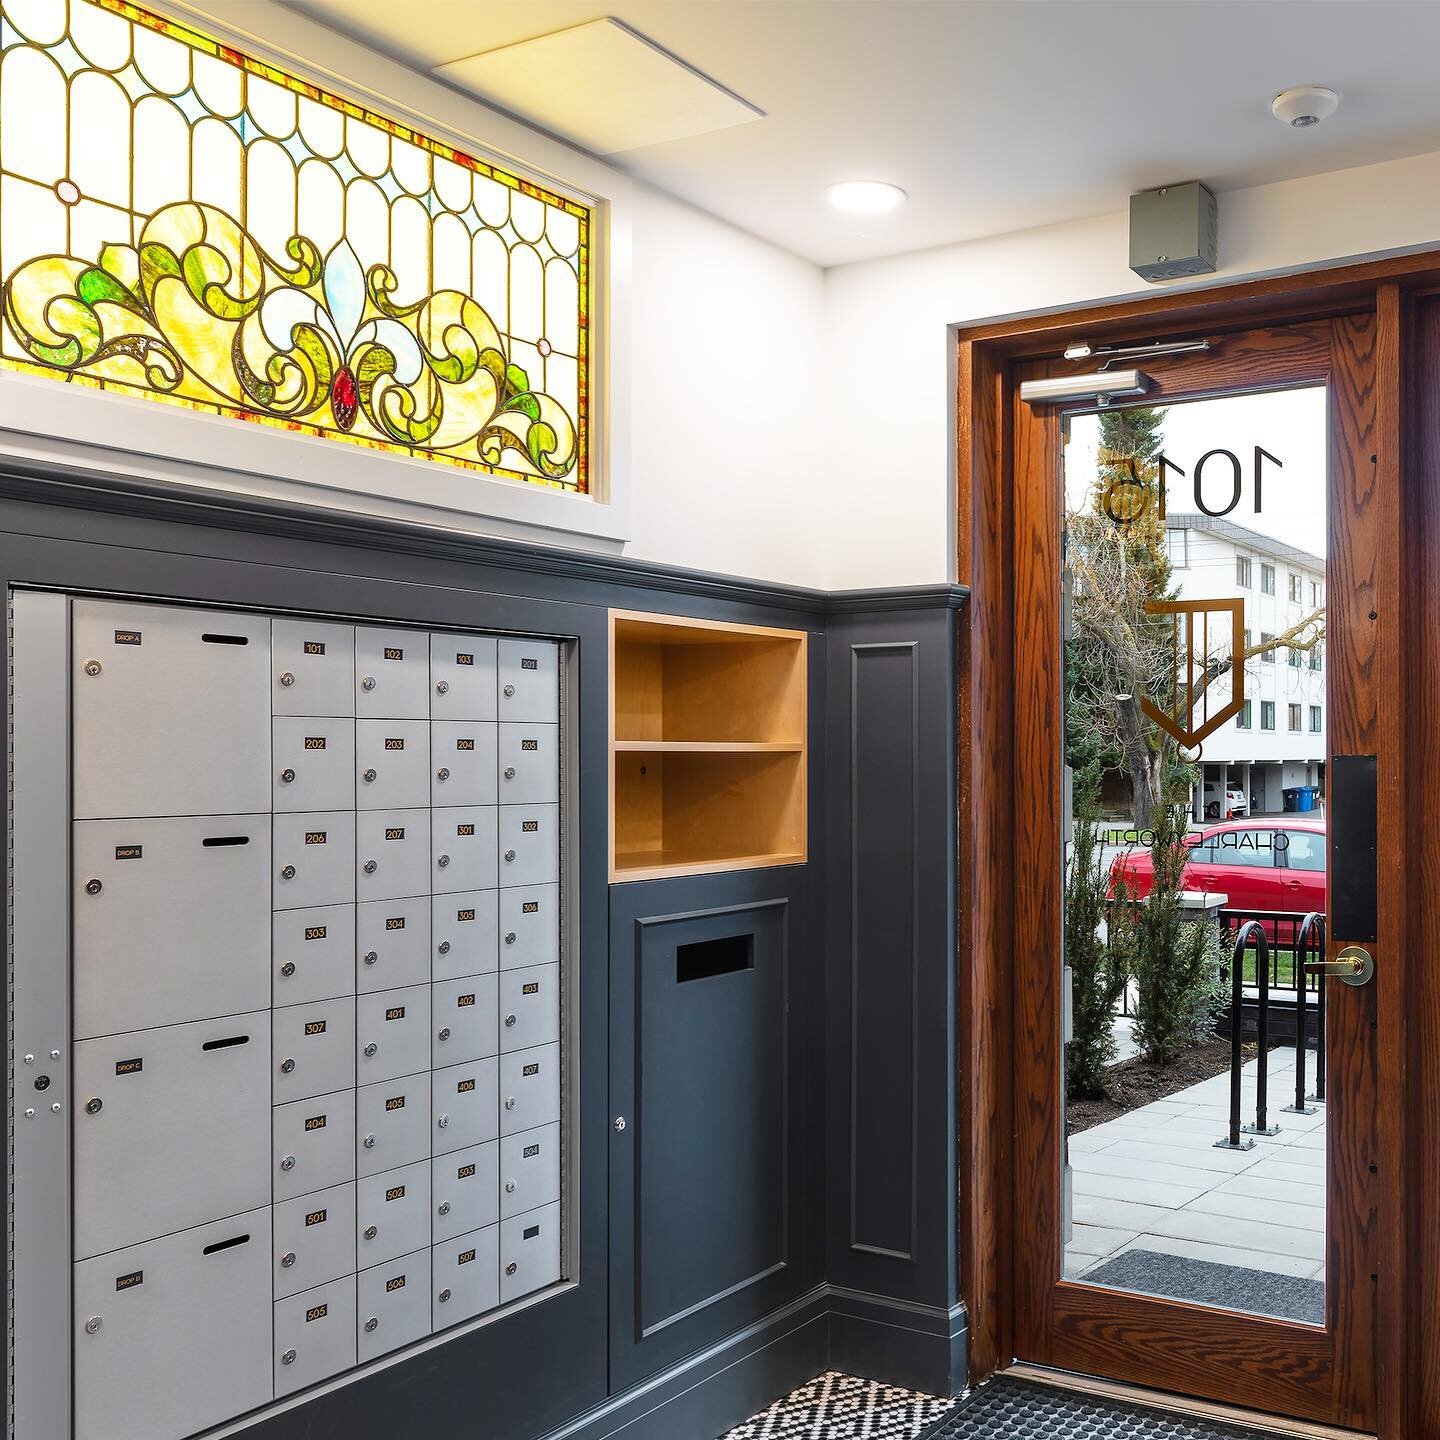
{"points": [[921, 1347]]}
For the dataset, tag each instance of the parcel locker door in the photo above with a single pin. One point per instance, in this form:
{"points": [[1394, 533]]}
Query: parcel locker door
{"points": [[463, 930], [464, 849], [170, 920], [529, 926], [462, 674], [529, 844], [392, 764], [462, 753], [529, 762], [392, 1033], [465, 1276], [173, 1336], [392, 674], [529, 1007], [464, 1105], [392, 1124], [392, 853], [313, 760], [313, 667], [172, 1130], [463, 1017], [392, 943], [314, 1336], [529, 1088], [314, 859], [313, 1146], [463, 1194], [314, 1239], [392, 1214], [313, 953], [529, 1252], [529, 1170], [529, 680], [392, 1305], [170, 711], [313, 1049]]}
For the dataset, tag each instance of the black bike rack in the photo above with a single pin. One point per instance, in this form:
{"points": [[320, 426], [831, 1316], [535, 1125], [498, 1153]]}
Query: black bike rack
{"points": [[1232, 1139], [1311, 936]]}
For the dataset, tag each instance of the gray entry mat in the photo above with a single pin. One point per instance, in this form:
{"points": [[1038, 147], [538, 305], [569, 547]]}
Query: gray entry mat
{"points": [[1178, 1277]]}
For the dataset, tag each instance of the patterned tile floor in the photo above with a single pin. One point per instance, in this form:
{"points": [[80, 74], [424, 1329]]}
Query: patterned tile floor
{"points": [[841, 1407]]}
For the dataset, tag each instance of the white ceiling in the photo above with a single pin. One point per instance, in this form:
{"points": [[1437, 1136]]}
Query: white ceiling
{"points": [[994, 115]]}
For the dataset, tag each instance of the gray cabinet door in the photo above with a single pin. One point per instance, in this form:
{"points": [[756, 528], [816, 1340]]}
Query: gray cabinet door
{"points": [[463, 845], [313, 1048], [463, 1194], [314, 1336], [462, 755], [464, 1105], [529, 926], [392, 764], [529, 1088], [463, 1018], [529, 763], [392, 1124], [392, 943], [392, 1214], [529, 680], [313, 859], [529, 1252], [529, 1007], [392, 1033], [465, 1276], [463, 930], [392, 853], [313, 1144], [313, 953], [529, 1170], [529, 844], [314, 1239], [392, 674], [392, 1305], [312, 663], [313, 761], [462, 675]]}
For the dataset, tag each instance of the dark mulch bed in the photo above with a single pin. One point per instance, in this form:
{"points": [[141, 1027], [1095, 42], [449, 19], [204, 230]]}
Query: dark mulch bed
{"points": [[1134, 1083]]}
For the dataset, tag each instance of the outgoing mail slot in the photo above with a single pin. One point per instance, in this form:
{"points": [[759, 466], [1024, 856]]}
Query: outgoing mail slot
{"points": [[392, 1214], [464, 1105], [314, 859], [529, 1252], [465, 1276], [173, 1336], [172, 1129], [392, 853], [313, 954], [312, 664], [529, 1088], [529, 1007], [529, 844], [392, 943], [463, 933], [392, 1124], [392, 764], [529, 680], [463, 1193], [313, 1144], [171, 711], [529, 763], [392, 674], [529, 1170], [529, 926], [313, 764], [314, 1336], [392, 1033], [462, 753], [170, 920], [463, 1018], [462, 677], [463, 849], [313, 1051], [314, 1239], [392, 1304]]}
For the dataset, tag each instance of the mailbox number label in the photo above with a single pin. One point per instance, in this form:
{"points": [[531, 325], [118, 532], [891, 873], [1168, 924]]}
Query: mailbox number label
{"points": [[529, 826], [398, 1283], [316, 932], [315, 742], [129, 1067], [464, 744], [395, 1102], [531, 1151], [464, 915], [316, 1312], [127, 637], [464, 659], [316, 1217], [529, 744], [466, 1256], [316, 1027], [464, 1087], [314, 647], [395, 1192], [128, 852], [395, 922], [395, 1012], [465, 1172], [395, 743], [315, 837], [464, 829], [396, 832], [130, 1281], [317, 1122], [532, 1069], [529, 664], [530, 907], [463, 1000], [394, 652]]}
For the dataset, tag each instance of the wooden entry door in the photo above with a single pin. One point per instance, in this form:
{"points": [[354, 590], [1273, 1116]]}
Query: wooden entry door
{"points": [[1191, 1335]]}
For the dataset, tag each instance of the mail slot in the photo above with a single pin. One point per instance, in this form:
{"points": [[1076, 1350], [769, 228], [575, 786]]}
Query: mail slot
{"points": [[314, 859], [463, 1101], [313, 1051], [529, 763], [465, 1276], [314, 1239], [392, 1305], [312, 664], [529, 1170], [314, 1336], [313, 953], [392, 1124], [392, 764], [529, 1252], [462, 757], [173, 1336], [169, 920], [392, 943], [313, 1144], [463, 1194], [529, 926], [463, 849], [313, 764], [392, 674], [463, 1018], [172, 1129], [392, 1033], [392, 1213], [462, 675], [392, 853], [170, 711], [529, 1088], [529, 1007], [529, 674], [529, 844]]}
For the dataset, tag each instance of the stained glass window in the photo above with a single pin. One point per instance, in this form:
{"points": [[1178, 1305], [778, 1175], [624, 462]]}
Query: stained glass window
{"points": [[183, 221]]}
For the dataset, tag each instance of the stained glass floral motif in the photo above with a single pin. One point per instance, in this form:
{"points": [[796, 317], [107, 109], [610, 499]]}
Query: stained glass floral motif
{"points": [[183, 221]]}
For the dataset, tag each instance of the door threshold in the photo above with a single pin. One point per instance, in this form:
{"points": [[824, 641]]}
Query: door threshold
{"points": [[1179, 1404]]}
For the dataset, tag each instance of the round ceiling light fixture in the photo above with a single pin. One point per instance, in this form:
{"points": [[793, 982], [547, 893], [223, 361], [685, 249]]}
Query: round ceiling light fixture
{"points": [[865, 197], [1304, 105]]}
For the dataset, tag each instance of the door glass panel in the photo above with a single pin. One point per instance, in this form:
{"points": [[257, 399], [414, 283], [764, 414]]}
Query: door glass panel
{"points": [[1194, 611]]}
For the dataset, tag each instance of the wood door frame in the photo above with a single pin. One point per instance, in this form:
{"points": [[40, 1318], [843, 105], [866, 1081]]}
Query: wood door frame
{"points": [[1407, 1355]]}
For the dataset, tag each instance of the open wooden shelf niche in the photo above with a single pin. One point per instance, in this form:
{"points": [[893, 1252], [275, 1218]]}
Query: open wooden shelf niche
{"points": [[707, 746]]}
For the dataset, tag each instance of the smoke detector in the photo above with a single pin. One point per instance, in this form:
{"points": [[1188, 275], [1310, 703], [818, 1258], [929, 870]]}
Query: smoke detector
{"points": [[1304, 105]]}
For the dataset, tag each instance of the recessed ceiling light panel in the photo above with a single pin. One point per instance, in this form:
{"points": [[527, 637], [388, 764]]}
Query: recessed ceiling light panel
{"points": [[865, 197]]}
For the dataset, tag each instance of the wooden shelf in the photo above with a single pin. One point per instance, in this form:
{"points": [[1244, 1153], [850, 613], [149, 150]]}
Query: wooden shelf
{"points": [[709, 747]]}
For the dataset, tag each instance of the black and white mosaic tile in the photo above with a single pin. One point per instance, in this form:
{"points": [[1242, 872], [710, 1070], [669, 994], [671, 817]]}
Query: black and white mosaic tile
{"points": [[841, 1407]]}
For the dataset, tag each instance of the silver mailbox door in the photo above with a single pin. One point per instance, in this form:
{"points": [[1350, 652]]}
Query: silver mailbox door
{"points": [[529, 1170], [529, 1007], [465, 1276], [392, 853], [392, 1124], [529, 763], [529, 844], [314, 859], [392, 764], [529, 1252], [392, 1305], [314, 1239], [464, 1105], [392, 1033], [392, 943], [313, 1050], [171, 711], [463, 1017], [169, 920], [313, 761], [392, 1215], [529, 926], [529, 680], [463, 930], [314, 1336], [173, 1336], [464, 849], [463, 1194], [392, 674], [529, 1088], [313, 668], [172, 1129], [313, 953], [462, 753], [313, 1144], [462, 672]]}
